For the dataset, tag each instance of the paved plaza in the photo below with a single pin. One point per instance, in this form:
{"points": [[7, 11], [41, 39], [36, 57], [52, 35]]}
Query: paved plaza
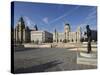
{"points": [[46, 59]]}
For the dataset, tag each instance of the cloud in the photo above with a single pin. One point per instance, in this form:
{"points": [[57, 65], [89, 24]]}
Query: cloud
{"points": [[45, 20], [90, 18], [29, 22], [66, 14], [92, 15]]}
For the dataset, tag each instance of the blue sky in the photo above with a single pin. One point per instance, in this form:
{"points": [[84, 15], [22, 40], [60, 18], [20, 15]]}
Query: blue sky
{"points": [[51, 16]]}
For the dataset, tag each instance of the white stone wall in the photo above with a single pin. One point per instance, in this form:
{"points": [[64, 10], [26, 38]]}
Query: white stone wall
{"points": [[60, 37], [71, 36], [37, 36]]}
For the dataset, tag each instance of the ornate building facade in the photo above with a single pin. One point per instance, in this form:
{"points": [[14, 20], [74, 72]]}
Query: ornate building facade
{"points": [[21, 32], [67, 35]]}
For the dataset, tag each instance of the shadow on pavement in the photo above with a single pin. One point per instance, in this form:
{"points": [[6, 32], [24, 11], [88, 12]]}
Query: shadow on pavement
{"points": [[38, 68]]}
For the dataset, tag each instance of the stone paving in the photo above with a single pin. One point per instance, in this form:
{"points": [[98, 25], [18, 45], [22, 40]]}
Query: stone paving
{"points": [[46, 59]]}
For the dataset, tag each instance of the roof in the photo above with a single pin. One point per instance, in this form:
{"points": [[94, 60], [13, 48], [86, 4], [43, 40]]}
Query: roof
{"points": [[21, 19], [67, 24]]}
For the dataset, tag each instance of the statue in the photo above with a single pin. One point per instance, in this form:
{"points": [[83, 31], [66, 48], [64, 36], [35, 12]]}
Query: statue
{"points": [[88, 33], [89, 58]]}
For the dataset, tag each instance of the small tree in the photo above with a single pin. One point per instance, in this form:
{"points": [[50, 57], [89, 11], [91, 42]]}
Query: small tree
{"points": [[54, 40], [72, 40], [64, 40], [37, 41], [57, 40], [33, 41], [60, 40], [82, 40]]}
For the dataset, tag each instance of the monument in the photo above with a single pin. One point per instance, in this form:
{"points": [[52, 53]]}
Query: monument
{"points": [[89, 57], [88, 33]]}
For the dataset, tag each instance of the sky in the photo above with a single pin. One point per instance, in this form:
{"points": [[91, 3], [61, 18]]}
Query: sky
{"points": [[53, 16]]}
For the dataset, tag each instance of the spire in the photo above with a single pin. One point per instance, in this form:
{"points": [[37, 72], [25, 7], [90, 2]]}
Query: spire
{"points": [[79, 28], [36, 28], [21, 22], [55, 30], [21, 19]]}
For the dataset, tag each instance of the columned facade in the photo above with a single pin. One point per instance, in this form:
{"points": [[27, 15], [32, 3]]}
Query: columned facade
{"points": [[67, 36], [21, 33]]}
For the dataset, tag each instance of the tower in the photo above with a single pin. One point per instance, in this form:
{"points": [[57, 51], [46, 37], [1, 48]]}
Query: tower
{"points": [[78, 34], [56, 35], [66, 32], [20, 28], [67, 28], [36, 28]]}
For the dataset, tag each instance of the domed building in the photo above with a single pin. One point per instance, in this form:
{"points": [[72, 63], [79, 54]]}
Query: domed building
{"points": [[67, 35]]}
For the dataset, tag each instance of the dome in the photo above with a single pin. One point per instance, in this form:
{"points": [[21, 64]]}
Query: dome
{"points": [[66, 24], [67, 27]]}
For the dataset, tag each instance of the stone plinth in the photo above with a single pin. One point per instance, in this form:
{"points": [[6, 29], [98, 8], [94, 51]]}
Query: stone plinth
{"points": [[87, 59]]}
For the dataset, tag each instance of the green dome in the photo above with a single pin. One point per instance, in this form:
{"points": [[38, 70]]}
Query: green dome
{"points": [[67, 24]]}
